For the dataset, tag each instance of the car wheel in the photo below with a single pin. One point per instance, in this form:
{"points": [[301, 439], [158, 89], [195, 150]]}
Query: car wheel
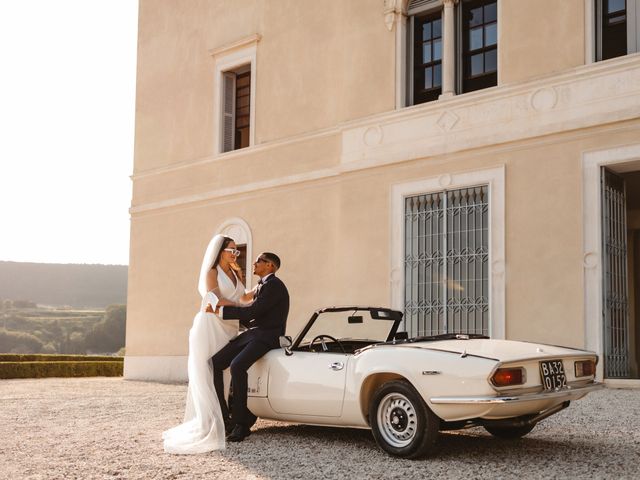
{"points": [[509, 433], [401, 423]]}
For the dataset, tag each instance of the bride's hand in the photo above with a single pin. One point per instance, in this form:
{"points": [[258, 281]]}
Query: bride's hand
{"points": [[236, 268], [209, 308]]}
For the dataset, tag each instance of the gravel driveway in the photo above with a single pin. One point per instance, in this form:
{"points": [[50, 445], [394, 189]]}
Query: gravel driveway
{"points": [[110, 428]]}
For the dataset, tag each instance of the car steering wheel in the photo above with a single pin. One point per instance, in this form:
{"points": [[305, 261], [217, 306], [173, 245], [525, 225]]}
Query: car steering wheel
{"points": [[324, 345]]}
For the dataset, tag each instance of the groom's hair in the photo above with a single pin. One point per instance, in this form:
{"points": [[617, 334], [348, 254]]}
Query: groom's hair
{"points": [[273, 258]]}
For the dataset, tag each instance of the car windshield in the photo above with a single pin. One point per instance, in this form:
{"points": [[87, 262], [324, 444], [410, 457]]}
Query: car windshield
{"points": [[357, 325]]}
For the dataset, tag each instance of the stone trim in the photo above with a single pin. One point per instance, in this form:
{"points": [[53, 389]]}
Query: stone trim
{"points": [[592, 235], [229, 57], [495, 178], [586, 96]]}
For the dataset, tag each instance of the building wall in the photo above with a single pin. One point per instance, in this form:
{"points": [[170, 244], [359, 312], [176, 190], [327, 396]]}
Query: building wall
{"points": [[317, 186], [539, 37]]}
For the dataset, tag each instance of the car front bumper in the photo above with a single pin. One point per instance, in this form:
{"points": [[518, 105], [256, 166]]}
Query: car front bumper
{"points": [[569, 393]]}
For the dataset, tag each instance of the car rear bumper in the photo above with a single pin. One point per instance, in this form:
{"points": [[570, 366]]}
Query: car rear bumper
{"points": [[569, 393]]}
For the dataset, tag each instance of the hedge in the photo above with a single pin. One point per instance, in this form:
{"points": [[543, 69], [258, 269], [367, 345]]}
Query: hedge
{"points": [[13, 357], [60, 369]]}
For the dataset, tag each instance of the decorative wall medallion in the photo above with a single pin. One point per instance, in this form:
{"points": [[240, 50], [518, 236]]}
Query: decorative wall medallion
{"points": [[590, 260], [447, 121], [543, 99], [373, 136], [444, 180]]}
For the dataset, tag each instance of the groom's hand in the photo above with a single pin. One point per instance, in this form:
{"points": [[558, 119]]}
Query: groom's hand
{"points": [[209, 308]]}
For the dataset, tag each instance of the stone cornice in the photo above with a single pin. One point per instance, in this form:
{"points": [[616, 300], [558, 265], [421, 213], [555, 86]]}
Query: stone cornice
{"points": [[238, 44], [582, 97], [585, 96]]}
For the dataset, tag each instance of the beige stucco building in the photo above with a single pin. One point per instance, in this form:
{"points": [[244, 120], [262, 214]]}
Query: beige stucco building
{"points": [[461, 161]]}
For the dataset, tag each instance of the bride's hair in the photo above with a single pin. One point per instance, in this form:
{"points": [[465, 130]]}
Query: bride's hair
{"points": [[225, 243]]}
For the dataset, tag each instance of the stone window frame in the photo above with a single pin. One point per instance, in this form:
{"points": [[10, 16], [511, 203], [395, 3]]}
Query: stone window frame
{"points": [[590, 28], [625, 156], [495, 179], [397, 14], [232, 57]]}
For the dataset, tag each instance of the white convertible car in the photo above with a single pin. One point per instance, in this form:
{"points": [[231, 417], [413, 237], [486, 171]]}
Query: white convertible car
{"points": [[350, 367]]}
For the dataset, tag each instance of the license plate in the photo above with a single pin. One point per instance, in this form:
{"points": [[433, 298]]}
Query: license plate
{"points": [[552, 373]]}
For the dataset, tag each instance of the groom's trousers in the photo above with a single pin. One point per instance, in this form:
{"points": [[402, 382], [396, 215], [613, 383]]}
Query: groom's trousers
{"points": [[238, 355]]}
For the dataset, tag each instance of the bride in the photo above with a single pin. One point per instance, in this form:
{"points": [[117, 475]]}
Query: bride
{"points": [[220, 277]]}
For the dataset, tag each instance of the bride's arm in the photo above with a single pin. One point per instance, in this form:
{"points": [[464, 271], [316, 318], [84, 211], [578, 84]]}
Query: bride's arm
{"points": [[212, 287], [249, 296]]}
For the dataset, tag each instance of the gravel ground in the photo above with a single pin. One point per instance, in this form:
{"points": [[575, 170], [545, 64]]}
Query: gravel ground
{"points": [[110, 428]]}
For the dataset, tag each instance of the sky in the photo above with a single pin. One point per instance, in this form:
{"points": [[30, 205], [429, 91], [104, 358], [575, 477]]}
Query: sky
{"points": [[67, 111]]}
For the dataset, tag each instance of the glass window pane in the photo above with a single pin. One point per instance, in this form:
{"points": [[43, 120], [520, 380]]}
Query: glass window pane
{"points": [[616, 20], [437, 50], [476, 64], [426, 52], [437, 75], [475, 38], [428, 83], [437, 28], [615, 5], [490, 13], [491, 34], [491, 61], [475, 17], [426, 31]]}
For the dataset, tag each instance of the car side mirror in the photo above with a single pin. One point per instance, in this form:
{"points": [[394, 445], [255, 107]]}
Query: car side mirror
{"points": [[401, 336], [286, 342]]}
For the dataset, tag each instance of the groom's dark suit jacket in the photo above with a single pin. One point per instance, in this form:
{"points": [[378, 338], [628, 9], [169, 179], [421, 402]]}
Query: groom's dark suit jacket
{"points": [[266, 317]]}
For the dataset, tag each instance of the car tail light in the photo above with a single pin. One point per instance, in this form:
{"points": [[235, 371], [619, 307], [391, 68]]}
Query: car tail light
{"points": [[505, 377], [585, 368]]}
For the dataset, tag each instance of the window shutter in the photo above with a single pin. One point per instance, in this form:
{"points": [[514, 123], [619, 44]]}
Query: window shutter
{"points": [[228, 110]]}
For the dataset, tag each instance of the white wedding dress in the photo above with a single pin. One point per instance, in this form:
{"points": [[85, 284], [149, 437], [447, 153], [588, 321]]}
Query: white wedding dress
{"points": [[203, 428]]}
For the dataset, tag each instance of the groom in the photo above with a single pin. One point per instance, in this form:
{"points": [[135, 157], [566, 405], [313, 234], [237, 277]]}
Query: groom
{"points": [[265, 319]]}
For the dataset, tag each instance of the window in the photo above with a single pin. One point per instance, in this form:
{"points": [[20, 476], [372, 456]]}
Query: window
{"points": [[452, 46], [235, 94], [236, 114], [446, 262], [479, 21], [617, 31], [427, 58]]}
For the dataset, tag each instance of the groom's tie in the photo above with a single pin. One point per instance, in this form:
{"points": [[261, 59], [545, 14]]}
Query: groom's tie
{"points": [[260, 283]]}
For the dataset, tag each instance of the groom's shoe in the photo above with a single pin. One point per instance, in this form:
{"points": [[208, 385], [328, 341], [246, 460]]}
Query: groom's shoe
{"points": [[240, 432], [228, 427], [252, 420]]}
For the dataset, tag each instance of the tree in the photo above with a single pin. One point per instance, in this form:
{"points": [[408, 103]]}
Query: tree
{"points": [[19, 342], [108, 335]]}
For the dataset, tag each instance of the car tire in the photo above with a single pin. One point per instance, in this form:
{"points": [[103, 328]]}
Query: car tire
{"points": [[509, 433], [401, 422]]}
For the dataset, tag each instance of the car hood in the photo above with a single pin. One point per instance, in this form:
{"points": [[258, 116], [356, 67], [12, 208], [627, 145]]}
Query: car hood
{"points": [[503, 350]]}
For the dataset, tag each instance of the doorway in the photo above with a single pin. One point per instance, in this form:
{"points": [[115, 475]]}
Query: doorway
{"points": [[621, 273]]}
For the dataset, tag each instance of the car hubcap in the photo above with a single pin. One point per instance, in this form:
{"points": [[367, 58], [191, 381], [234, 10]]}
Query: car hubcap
{"points": [[397, 420]]}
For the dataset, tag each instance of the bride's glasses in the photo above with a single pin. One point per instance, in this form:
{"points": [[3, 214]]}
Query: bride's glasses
{"points": [[233, 251]]}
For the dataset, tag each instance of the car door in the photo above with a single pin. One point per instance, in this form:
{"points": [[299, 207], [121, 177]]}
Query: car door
{"points": [[308, 383]]}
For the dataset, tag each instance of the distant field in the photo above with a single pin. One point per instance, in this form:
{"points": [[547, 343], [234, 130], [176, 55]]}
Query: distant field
{"points": [[64, 331]]}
